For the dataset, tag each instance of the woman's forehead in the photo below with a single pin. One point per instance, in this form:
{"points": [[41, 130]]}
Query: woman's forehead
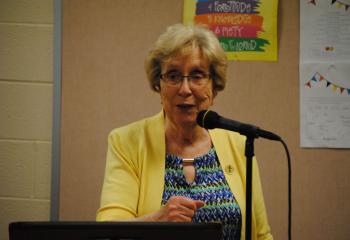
{"points": [[193, 54]]}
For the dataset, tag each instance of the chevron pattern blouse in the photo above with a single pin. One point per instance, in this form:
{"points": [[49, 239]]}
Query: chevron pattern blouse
{"points": [[209, 186]]}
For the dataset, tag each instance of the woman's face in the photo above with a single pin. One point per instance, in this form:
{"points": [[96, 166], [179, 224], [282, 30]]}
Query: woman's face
{"points": [[182, 103]]}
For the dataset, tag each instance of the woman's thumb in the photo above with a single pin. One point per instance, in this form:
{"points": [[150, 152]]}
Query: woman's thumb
{"points": [[199, 203]]}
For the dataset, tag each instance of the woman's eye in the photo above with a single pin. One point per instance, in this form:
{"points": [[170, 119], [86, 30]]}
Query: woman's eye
{"points": [[196, 76], [173, 76]]}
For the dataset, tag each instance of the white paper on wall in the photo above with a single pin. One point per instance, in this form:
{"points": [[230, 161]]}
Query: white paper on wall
{"points": [[325, 73]]}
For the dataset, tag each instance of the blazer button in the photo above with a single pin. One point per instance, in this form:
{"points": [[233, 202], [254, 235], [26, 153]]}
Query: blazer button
{"points": [[229, 169]]}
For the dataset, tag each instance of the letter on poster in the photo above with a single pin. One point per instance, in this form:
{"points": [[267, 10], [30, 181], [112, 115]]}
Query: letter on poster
{"points": [[247, 29]]}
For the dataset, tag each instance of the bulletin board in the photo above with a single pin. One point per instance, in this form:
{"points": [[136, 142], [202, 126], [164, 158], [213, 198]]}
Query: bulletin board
{"points": [[104, 86]]}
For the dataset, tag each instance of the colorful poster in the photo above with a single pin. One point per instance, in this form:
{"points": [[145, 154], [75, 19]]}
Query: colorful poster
{"points": [[325, 73], [247, 29]]}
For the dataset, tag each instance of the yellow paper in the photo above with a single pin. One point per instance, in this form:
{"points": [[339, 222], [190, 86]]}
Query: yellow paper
{"points": [[247, 29]]}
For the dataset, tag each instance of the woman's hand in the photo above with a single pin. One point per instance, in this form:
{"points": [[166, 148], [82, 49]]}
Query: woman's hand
{"points": [[178, 209]]}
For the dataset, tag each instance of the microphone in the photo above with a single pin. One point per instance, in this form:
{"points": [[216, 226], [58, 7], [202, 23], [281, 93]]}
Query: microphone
{"points": [[210, 119]]}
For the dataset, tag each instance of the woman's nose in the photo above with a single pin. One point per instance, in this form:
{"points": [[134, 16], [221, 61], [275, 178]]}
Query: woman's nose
{"points": [[185, 88]]}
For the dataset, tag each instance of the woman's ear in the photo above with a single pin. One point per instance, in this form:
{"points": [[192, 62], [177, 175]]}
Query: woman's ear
{"points": [[214, 95], [160, 94], [215, 92]]}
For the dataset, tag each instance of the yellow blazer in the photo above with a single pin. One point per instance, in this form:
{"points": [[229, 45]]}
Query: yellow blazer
{"points": [[134, 178]]}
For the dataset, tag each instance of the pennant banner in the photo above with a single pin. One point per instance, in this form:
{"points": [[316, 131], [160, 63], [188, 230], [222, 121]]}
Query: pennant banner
{"points": [[317, 77], [341, 4], [337, 3]]}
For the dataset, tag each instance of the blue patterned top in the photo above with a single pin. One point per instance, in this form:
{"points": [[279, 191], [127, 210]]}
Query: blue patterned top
{"points": [[209, 186]]}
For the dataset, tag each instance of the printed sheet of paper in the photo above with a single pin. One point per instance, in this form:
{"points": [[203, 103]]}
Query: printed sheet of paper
{"points": [[247, 29], [325, 73]]}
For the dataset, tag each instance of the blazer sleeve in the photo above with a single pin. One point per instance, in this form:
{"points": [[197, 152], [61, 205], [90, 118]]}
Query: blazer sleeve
{"points": [[120, 191]]}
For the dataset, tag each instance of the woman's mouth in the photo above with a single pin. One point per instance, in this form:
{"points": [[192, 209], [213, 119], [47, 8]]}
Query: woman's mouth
{"points": [[185, 106]]}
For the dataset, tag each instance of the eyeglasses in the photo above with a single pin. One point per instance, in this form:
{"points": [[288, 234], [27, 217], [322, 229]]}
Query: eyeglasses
{"points": [[174, 79]]}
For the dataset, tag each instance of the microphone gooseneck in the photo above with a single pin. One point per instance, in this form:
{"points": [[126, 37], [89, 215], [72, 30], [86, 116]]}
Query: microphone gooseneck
{"points": [[210, 120]]}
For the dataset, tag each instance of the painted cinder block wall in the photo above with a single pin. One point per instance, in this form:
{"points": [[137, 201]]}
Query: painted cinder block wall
{"points": [[26, 90]]}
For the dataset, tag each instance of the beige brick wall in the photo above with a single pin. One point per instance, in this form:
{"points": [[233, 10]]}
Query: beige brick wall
{"points": [[26, 90]]}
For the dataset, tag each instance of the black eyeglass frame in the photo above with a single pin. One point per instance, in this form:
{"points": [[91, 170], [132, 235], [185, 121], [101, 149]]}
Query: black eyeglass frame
{"points": [[190, 78]]}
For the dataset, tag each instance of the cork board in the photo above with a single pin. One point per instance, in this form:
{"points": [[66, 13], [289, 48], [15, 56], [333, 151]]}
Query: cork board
{"points": [[104, 86]]}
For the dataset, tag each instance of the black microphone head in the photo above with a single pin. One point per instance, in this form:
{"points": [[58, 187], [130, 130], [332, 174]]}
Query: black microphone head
{"points": [[207, 119]]}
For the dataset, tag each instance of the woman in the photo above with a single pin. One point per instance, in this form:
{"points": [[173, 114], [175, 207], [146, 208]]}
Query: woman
{"points": [[166, 167]]}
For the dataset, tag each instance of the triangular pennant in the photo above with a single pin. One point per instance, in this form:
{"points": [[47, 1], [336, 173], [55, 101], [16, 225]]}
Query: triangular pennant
{"points": [[347, 7], [321, 77], [334, 88], [339, 4], [348, 91], [328, 83], [313, 2], [308, 84], [333, 1], [314, 78], [342, 90]]}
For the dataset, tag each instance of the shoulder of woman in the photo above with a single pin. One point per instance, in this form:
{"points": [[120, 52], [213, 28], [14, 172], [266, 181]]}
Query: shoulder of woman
{"points": [[136, 128]]}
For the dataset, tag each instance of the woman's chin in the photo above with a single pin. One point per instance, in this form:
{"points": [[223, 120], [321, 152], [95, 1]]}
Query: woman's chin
{"points": [[186, 122]]}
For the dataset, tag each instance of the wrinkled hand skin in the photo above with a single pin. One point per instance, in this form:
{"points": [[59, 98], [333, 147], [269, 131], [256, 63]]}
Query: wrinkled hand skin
{"points": [[179, 209]]}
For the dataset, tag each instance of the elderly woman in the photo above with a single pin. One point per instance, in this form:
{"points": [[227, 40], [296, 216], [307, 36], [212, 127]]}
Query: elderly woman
{"points": [[168, 168]]}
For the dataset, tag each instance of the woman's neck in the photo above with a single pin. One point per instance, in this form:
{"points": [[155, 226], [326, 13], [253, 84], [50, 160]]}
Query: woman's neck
{"points": [[186, 141], [183, 134]]}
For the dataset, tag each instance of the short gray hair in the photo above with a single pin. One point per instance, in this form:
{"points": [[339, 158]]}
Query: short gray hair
{"points": [[179, 36]]}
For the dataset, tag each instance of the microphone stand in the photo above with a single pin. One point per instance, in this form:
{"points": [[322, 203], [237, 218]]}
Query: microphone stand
{"points": [[249, 153]]}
